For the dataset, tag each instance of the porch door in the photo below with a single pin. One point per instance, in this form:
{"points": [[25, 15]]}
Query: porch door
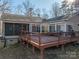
{"points": [[26, 27], [58, 28], [52, 28], [35, 28]]}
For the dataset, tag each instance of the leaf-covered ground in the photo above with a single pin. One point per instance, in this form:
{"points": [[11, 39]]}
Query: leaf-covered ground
{"points": [[18, 51]]}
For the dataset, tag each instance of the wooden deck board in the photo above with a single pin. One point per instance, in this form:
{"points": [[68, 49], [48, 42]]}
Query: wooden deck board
{"points": [[44, 39], [48, 41]]}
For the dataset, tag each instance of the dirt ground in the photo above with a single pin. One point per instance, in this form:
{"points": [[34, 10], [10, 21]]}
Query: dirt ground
{"points": [[19, 51]]}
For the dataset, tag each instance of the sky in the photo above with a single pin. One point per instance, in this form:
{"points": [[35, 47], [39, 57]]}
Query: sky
{"points": [[42, 4]]}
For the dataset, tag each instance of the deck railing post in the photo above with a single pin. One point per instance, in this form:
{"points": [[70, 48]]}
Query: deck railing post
{"points": [[58, 38], [42, 54], [33, 49], [39, 39], [63, 40], [5, 42]]}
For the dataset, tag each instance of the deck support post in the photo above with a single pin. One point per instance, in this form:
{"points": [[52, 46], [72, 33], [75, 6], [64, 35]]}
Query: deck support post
{"points": [[42, 54], [63, 48], [27, 44], [55, 27], [33, 50], [5, 42]]}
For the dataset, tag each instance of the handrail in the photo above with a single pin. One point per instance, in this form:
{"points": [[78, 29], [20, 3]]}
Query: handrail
{"points": [[65, 35]]}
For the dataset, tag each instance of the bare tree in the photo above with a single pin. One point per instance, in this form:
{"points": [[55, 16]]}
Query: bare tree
{"points": [[5, 6], [38, 12], [19, 9], [67, 7], [64, 6], [55, 9], [28, 8]]}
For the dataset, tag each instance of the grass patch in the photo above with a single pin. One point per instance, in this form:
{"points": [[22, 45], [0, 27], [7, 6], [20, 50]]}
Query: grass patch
{"points": [[15, 45]]}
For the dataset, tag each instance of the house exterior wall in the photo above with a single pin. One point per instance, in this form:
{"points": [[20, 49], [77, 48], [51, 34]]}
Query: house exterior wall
{"points": [[1, 26], [61, 24], [37, 20], [74, 21], [74, 25], [46, 27]]}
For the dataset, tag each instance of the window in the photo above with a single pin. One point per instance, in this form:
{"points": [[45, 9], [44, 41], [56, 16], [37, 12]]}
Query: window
{"points": [[36, 28], [58, 28], [43, 29], [78, 24], [8, 29], [27, 27], [33, 28], [69, 28], [52, 28]]}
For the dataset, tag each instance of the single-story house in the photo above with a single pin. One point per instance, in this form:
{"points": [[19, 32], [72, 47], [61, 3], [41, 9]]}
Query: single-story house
{"points": [[11, 24]]}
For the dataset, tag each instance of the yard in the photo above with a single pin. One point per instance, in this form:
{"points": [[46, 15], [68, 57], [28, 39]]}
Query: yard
{"points": [[18, 51]]}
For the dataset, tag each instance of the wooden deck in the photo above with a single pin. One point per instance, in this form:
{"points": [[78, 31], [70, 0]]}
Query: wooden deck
{"points": [[44, 41], [48, 41]]}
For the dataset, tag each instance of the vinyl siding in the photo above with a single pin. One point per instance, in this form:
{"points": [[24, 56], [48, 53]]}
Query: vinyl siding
{"points": [[0, 27]]}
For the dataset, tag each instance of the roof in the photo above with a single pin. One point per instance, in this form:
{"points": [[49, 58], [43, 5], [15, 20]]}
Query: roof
{"points": [[56, 18], [59, 18], [26, 19], [14, 17], [63, 18]]}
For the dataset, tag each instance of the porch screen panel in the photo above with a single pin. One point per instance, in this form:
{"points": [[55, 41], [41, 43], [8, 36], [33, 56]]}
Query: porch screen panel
{"points": [[18, 28], [26, 27], [8, 29]]}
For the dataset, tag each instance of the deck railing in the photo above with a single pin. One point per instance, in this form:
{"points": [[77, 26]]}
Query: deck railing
{"points": [[62, 36]]}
